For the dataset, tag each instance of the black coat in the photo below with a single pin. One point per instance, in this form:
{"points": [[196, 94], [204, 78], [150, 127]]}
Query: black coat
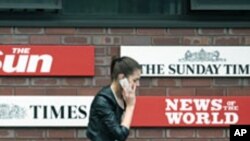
{"points": [[105, 118]]}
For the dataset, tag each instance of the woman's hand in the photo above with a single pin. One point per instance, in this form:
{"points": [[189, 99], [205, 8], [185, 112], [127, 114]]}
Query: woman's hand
{"points": [[130, 100], [130, 96]]}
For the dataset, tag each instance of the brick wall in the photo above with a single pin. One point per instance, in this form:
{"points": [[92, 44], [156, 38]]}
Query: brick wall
{"points": [[107, 42]]}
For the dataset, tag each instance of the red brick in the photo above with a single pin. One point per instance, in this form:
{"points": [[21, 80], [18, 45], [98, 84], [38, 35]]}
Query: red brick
{"points": [[43, 139], [114, 51], [136, 40], [164, 82], [132, 133], [212, 31], [238, 91], [23, 30], [81, 133], [166, 40], [101, 71], [121, 31], [45, 39], [152, 91], [211, 133], [181, 91], [106, 40], [196, 82], [150, 133], [88, 91], [181, 31], [75, 140], [29, 91], [227, 82], [145, 82], [181, 133], [151, 31], [76, 40], [239, 31], [30, 133], [228, 132], [6, 91], [10, 139], [246, 40], [102, 81], [14, 81], [5, 133], [15, 39], [6, 30], [243, 40], [60, 31], [165, 139], [44, 81], [75, 81], [210, 92], [102, 61], [197, 40], [130, 139], [227, 40], [61, 133], [100, 51], [91, 30], [220, 139], [247, 81], [193, 139], [61, 91]]}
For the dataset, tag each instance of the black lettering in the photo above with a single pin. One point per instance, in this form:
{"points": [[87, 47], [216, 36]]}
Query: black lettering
{"points": [[216, 67], [171, 69], [150, 69], [55, 113], [160, 68], [72, 112], [243, 70], [35, 110], [190, 69], [235, 69], [227, 68], [200, 69], [82, 111], [45, 116], [179, 70]]}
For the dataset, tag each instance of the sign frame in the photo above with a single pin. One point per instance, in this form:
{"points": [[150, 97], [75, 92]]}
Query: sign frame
{"points": [[190, 61], [150, 111], [47, 60]]}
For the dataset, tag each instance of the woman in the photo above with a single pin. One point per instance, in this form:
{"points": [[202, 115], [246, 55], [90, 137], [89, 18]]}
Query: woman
{"points": [[113, 107]]}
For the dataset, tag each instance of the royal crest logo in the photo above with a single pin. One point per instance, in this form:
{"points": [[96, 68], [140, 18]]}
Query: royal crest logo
{"points": [[202, 56], [12, 112]]}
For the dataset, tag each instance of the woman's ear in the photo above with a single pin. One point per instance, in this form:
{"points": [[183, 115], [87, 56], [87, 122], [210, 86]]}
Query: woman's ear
{"points": [[120, 76]]}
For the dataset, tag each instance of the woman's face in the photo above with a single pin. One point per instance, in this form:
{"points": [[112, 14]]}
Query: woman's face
{"points": [[135, 78]]}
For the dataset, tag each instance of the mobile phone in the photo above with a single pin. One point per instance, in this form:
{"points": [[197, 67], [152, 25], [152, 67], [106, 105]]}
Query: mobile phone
{"points": [[125, 84]]}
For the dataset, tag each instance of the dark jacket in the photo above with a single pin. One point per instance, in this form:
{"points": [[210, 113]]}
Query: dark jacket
{"points": [[105, 118]]}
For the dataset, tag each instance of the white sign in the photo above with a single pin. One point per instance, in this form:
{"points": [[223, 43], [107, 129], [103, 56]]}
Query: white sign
{"points": [[192, 61], [44, 111]]}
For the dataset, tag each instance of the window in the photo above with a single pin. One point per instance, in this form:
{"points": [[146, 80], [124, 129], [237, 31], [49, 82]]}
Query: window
{"points": [[29, 5], [118, 7], [125, 13], [220, 4]]}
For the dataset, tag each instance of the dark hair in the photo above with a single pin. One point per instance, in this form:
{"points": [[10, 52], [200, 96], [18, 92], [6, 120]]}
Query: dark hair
{"points": [[123, 65]]}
